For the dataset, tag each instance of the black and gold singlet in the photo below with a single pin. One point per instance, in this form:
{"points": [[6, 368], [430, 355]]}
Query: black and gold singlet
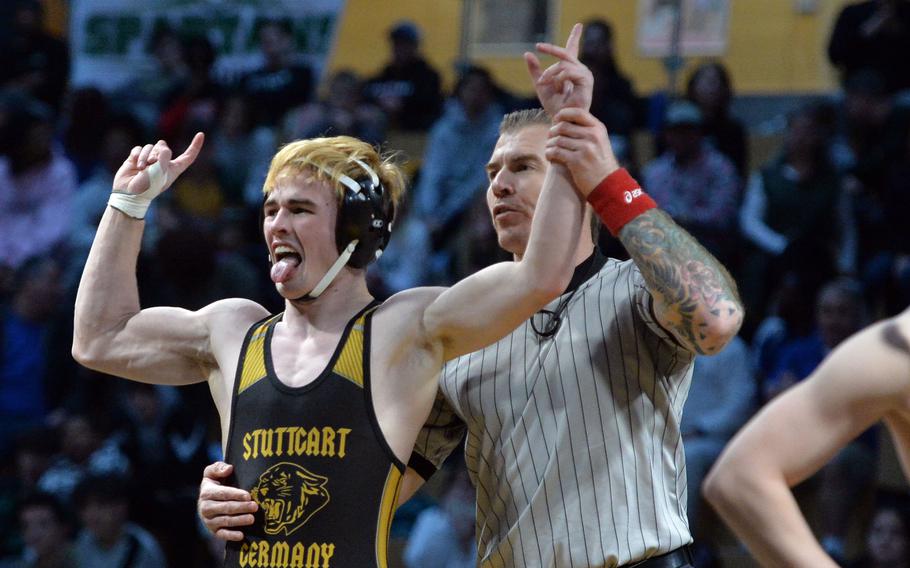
{"points": [[313, 458]]}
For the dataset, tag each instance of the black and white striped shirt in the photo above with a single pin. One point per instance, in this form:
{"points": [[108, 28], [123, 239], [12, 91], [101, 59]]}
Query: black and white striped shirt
{"points": [[573, 441]]}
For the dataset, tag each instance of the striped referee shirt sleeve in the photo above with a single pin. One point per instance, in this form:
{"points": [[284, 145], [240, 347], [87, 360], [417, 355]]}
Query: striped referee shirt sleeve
{"points": [[441, 433]]}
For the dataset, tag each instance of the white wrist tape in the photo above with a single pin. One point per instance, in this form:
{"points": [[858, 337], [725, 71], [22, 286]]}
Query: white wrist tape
{"points": [[136, 205]]}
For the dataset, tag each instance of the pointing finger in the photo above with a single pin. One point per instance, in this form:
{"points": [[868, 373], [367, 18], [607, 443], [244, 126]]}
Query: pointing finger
{"points": [[574, 40], [184, 160]]}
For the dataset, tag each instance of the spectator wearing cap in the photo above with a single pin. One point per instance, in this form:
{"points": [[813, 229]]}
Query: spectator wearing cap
{"points": [[408, 88], [697, 185]]}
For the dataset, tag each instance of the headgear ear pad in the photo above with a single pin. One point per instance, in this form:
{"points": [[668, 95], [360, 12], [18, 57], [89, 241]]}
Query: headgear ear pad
{"points": [[365, 215]]}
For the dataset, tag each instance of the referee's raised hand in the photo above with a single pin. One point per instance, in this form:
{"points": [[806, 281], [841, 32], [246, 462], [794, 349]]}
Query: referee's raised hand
{"points": [[568, 82]]}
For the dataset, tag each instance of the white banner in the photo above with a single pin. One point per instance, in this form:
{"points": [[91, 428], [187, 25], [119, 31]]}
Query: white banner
{"points": [[110, 39], [703, 30]]}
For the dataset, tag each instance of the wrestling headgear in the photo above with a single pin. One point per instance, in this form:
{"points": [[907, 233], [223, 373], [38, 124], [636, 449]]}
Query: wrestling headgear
{"points": [[363, 226], [364, 216]]}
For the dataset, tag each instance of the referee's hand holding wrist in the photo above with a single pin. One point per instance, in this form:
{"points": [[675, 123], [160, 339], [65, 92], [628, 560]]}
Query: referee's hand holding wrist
{"points": [[580, 142]]}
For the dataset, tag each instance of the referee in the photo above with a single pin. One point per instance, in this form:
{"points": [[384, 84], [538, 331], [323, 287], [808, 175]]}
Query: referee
{"points": [[572, 420]]}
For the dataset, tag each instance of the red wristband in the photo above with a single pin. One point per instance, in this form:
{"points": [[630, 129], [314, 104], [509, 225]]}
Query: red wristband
{"points": [[618, 199]]}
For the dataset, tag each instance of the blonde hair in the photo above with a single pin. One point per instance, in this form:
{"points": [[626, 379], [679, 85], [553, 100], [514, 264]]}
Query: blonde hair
{"points": [[330, 158]]}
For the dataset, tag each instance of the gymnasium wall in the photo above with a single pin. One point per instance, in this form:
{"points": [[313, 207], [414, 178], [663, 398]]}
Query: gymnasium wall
{"points": [[773, 48]]}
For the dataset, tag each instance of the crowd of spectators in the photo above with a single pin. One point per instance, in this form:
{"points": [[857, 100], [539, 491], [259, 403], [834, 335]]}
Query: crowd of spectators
{"points": [[101, 472]]}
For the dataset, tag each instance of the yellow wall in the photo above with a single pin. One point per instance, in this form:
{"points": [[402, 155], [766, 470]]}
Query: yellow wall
{"points": [[772, 49], [362, 41], [56, 14]]}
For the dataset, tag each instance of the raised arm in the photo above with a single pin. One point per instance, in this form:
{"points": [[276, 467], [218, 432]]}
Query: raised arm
{"points": [[862, 381], [484, 307], [694, 296], [111, 333]]}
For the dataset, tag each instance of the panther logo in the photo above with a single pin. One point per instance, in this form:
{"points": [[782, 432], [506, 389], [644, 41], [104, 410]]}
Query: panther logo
{"points": [[289, 495]]}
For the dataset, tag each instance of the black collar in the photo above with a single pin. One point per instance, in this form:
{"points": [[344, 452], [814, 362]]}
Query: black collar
{"points": [[551, 319], [586, 269]]}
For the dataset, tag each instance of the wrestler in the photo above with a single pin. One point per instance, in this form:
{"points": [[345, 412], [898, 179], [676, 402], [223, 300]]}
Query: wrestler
{"points": [[319, 405], [866, 379]]}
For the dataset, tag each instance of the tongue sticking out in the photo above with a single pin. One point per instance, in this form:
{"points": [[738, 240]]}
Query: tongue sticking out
{"points": [[282, 269]]}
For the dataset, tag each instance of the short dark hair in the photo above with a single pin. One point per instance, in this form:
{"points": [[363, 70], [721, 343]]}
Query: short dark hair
{"points": [[603, 25], [405, 31], [470, 71], [516, 120]]}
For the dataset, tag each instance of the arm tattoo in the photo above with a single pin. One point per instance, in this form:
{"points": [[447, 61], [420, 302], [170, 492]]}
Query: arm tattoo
{"points": [[695, 290]]}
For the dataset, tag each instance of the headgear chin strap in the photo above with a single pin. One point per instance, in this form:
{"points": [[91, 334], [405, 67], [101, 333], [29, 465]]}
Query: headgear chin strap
{"points": [[330, 275]]}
